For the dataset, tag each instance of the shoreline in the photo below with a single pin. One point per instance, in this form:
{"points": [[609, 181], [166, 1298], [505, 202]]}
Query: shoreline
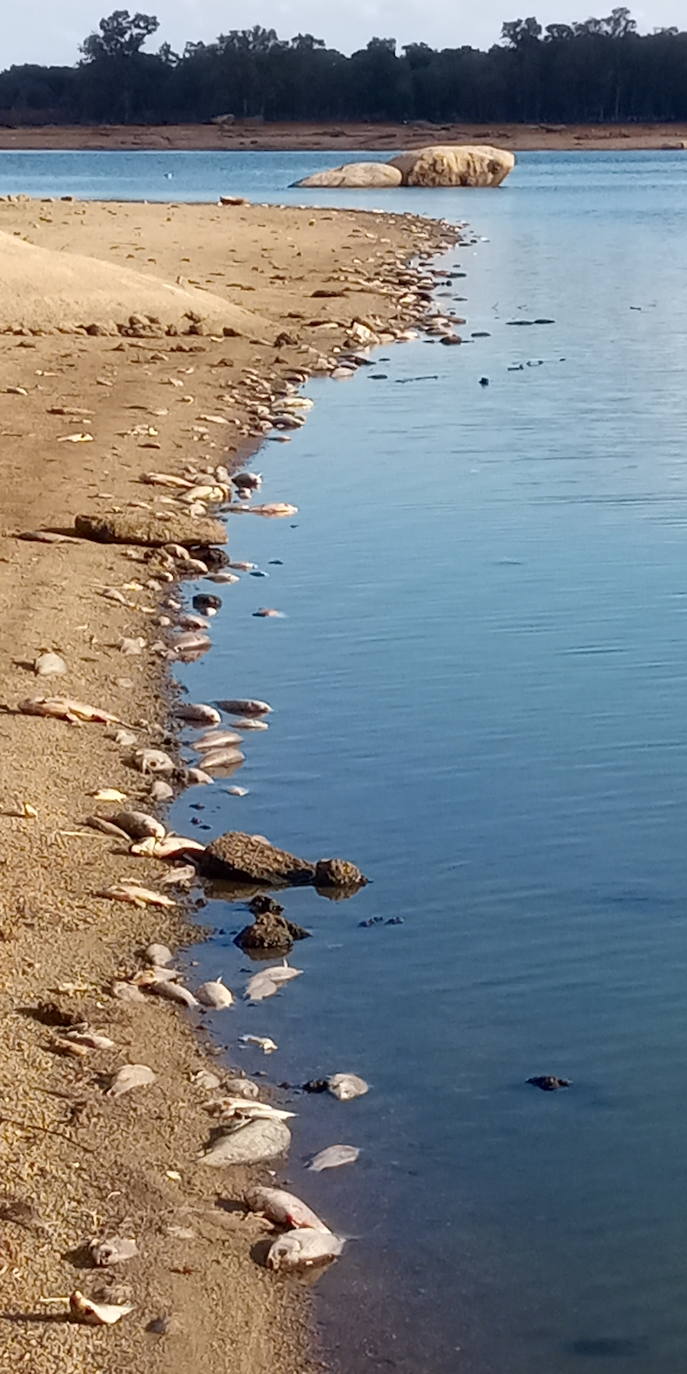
{"points": [[80, 1163], [389, 138]]}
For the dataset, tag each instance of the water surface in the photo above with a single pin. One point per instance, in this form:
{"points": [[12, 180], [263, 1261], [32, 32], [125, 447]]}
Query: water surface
{"points": [[479, 690]]}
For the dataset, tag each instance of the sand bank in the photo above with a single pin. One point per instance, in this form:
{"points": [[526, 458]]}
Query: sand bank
{"points": [[252, 137], [76, 1163]]}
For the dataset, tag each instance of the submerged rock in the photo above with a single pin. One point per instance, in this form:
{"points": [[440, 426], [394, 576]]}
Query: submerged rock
{"points": [[354, 174], [459, 164], [139, 528], [548, 1082]]}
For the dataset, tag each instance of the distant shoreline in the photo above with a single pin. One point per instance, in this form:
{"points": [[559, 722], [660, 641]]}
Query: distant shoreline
{"points": [[253, 137]]}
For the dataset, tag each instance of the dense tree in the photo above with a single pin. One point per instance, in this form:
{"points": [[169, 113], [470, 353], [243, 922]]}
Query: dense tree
{"points": [[596, 70]]}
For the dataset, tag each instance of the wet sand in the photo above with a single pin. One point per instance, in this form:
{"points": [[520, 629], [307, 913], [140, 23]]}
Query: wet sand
{"points": [[258, 137], [76, 1163]]}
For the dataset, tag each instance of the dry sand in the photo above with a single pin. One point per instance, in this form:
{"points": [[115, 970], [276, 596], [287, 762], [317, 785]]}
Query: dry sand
{"points": [[383, 137], [78, 1162]]}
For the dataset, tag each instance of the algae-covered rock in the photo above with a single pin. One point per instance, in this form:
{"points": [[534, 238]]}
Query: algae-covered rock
{"points": [[250, 859], [140, 528], [338, 873], [270, 931]]}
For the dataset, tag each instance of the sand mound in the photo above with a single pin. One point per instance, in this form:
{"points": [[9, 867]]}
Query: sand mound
{"points": [[48, 292]]}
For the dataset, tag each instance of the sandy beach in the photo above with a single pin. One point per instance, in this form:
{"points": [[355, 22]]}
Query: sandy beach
{"points": [[256, 137], [82, 416]]}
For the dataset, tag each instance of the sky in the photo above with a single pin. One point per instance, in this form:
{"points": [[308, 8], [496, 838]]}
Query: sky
{"points": [[49, 31]]}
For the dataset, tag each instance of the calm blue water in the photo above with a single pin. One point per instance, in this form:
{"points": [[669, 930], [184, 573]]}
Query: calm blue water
{"points": [[479, 692]]}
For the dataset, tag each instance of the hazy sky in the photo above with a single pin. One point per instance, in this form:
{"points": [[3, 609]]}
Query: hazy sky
{"points": [[51, 30]]}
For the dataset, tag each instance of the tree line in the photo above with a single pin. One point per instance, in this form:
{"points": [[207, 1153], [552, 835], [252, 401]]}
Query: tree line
{"points": [[596, 71]]}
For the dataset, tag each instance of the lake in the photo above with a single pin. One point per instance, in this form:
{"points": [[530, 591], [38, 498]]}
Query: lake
{"points": [[479, 691]]}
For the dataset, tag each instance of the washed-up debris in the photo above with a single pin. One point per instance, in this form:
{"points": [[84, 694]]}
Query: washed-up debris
{"points": [[180, 877], [171, 847], [97, 1313], [153, 761], [127, 992], [49, 665], [138, 824], [268, 613], [334, 1157], [161, 791], [248, 723], [244, 706], [205, 1080], [248, 1109], [196, 777], [261, 1042], [302, 1249], [131, 647], [66, 708], [136, 894], [214, 994], [237, 791], [268, 981], [124, 738], [198, 713], [216, 739], [217, 759], [252, 1143], [109, 794], [128, 1077], [90, 1039], [112, 1250], [242, 1087], [283, 1209], [274, 509], [155, 530], [190, 642], [47, 537]]}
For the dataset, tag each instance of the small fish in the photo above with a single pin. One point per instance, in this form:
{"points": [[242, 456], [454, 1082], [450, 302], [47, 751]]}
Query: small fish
{"points": [[237, 791], [303, 1248], [91, 1039], [109, 794], [65, 708], [268, 981], [333, 1157], [251, 1110], [223, 579], [244, 706], [138, 824], [136, 895], [128, 1077], [173, 992], [49, 665], [222, 758], [158, 955], [153, 761], [275, 508], [180, 877], [214, 994], [268, 613], [346, 1086], [243, 567], [197, 777], [216, 739], [192, 641], [97, 1313], [205, 1080], [171, 847], [161, 791], [284, 1209], [261, 1042]]}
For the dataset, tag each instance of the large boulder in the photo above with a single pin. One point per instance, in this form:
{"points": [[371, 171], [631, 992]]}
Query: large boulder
{"points": [[454, 165], [141, 528], [354, 174], [247, 858]]}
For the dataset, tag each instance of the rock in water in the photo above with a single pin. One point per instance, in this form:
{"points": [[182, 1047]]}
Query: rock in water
{"points": [[139, 528], [455, 165], [346, 1086], [248, 859], [355, 174], [548, 1082], [338, 873], [270, 931], [250, 1144], [303, 1248]]}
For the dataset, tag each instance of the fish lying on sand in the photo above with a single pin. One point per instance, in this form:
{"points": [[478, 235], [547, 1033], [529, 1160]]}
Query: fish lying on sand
{"points": [[303, 1248], [283, 1209], [66, 708]]}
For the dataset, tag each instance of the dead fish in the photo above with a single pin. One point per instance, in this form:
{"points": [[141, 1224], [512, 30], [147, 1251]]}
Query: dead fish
{"points": [[192, 642], [189, 620], [173, 992], [124, 738], [49, 665], [252, 1111], [243, 567], [161, 791], [48, 537], [275, 508], [283, 1209], [97, 1313], [136, 895], [109, 794], [222, 758], [303, 1248], [261, 1042], [252, 1143], [244, 706], [138, 824], [180, 877], [205, 1080], [164, 479], [242, 1087], [197, 777], [246, 723], [153, 761], [198, 713], [214, 994], [237, 791], [346, 1086], [333, 1157], [268, 613], [106, 827], [128, 1077], [173, 846], [127, 992], [268, 981], [91, 1039], [158, 955], [65, 708], [112, 1250], [147, 976], [223, 579], [216, 739]]}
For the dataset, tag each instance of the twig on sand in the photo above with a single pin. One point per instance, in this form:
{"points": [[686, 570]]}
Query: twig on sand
{"points": [[46, 1130]]}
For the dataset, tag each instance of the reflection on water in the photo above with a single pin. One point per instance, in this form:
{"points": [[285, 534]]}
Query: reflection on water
{"points": [[479, 697]]}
